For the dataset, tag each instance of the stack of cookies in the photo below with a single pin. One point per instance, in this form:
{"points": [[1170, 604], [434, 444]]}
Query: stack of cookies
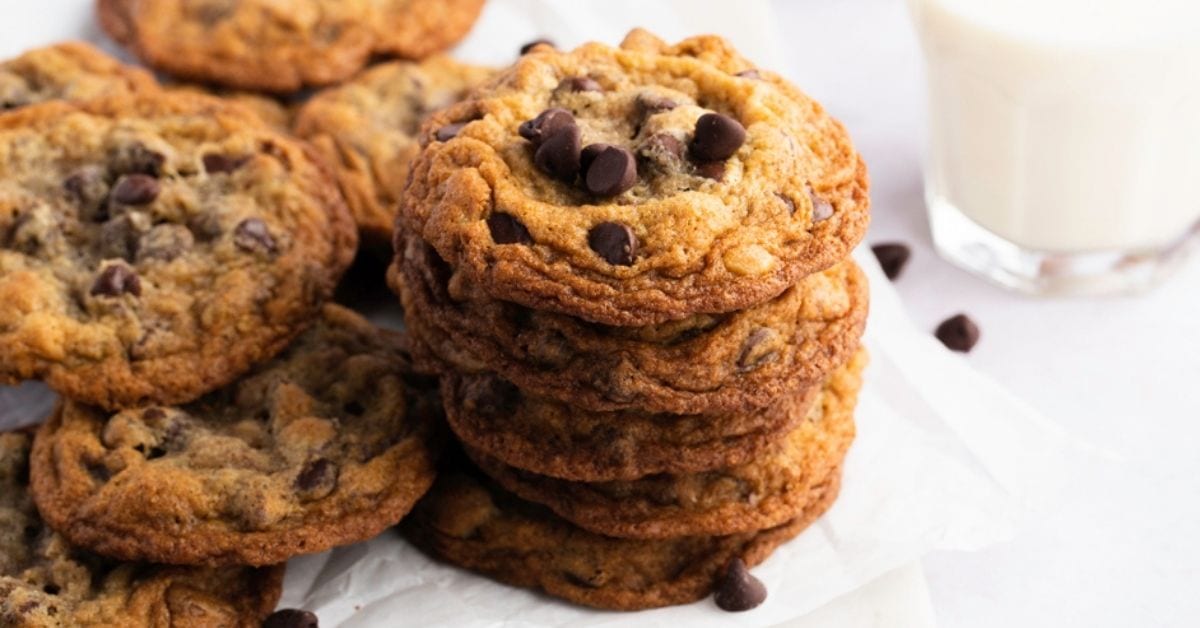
{"points": [[629, 267]]}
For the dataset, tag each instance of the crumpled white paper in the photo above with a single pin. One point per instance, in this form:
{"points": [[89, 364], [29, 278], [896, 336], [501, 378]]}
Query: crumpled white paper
{"points": [[945, 459]]}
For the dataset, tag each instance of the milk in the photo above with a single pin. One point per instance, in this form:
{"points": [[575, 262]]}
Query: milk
{"points": [[1065, 125]]}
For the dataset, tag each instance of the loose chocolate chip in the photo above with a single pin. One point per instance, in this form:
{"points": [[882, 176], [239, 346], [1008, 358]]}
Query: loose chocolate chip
{"points": [[216, 163], [738, 589], [449, 132], [714, 170], [787, 202], [252, 235], [615, 242], [759, 349], [508, 229], [611, 172], [892, 257], [559, 154], [89, 189], [750, 74], [317, 479], [579, 84], [545, 124], [958, 333], [135, 189], [537, 42], [717, 137], [663, 149], [116, 280], [164, 242], [290, 618], [822, 209], [137, 159], [589, 154], [650, 104]]}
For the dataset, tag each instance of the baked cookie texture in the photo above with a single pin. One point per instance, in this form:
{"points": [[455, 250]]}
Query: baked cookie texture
{"points": [[703, 185], [705, 363], [366, 129], [154, 248], [72, 71], [45, 582], [767, 491], [268, 45], [468, 521], [331, 443]]}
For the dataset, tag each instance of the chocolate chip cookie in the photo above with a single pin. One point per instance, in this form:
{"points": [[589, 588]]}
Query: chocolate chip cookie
{"points": [[68, 71], [154, 248], [764, 492], [548, 437], [635, 185], [277, 46], [329, 444], [468, 521], [45, 582], [706, 363], [367, 130]]}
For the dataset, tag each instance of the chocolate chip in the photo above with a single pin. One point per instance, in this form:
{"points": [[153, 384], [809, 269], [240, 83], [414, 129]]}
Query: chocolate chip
{"points": [[822, 209], [892, 257], [717, 137], [650, 104], [252, 235], [116, 280], [579, 84], [135, 189], [119, 238], [759, 349], [714, 170], [290, 618], [663, 149], [787, 202], [750, 74], [589, 154], [615, 242], [216, 163], [611, 172], [153, 415], [545, 124], [449, 132], [317, 479], [738, 589], [537, 42], [136, 159], [507, 229], [88, 187], [958, 333], [558, 155], [164, 242], [491, 397]]}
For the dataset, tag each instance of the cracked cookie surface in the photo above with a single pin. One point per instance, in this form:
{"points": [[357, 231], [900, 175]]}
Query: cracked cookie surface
{"points": [[366, 129], [635, 185], [764, 492], [329, 444], [705, 363], [47, 583], [276, 46], [154, 248]]}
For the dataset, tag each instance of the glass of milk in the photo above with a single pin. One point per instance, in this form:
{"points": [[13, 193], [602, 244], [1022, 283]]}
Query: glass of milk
{"points": [[1064, 151]]}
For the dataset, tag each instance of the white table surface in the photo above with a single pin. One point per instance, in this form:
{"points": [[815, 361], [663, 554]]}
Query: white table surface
{"points": [[1122, 547]]}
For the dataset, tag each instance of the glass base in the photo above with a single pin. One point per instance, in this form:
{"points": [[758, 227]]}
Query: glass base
{"points": [[972, 247]]}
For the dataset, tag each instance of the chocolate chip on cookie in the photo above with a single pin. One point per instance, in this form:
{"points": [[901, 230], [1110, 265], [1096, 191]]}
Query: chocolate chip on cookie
{"points": [[253, 235], [508, 229], [738, 589], [135, 189], [558, 154], [116, 280], [717, 137], [822, 208], [545, 124], [579, 84], [615, 242], [525, 49], [449, 132], [611, 170], [216, 163]]}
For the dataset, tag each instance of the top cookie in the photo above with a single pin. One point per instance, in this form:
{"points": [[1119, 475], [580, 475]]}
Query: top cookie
{"points": [[46, 583], [67, 71], [278, 46], [635, 185], [366, 129], [155, 248]]}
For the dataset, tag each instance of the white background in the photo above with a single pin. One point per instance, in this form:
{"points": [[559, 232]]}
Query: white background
{"points": [[1123, 547]]}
